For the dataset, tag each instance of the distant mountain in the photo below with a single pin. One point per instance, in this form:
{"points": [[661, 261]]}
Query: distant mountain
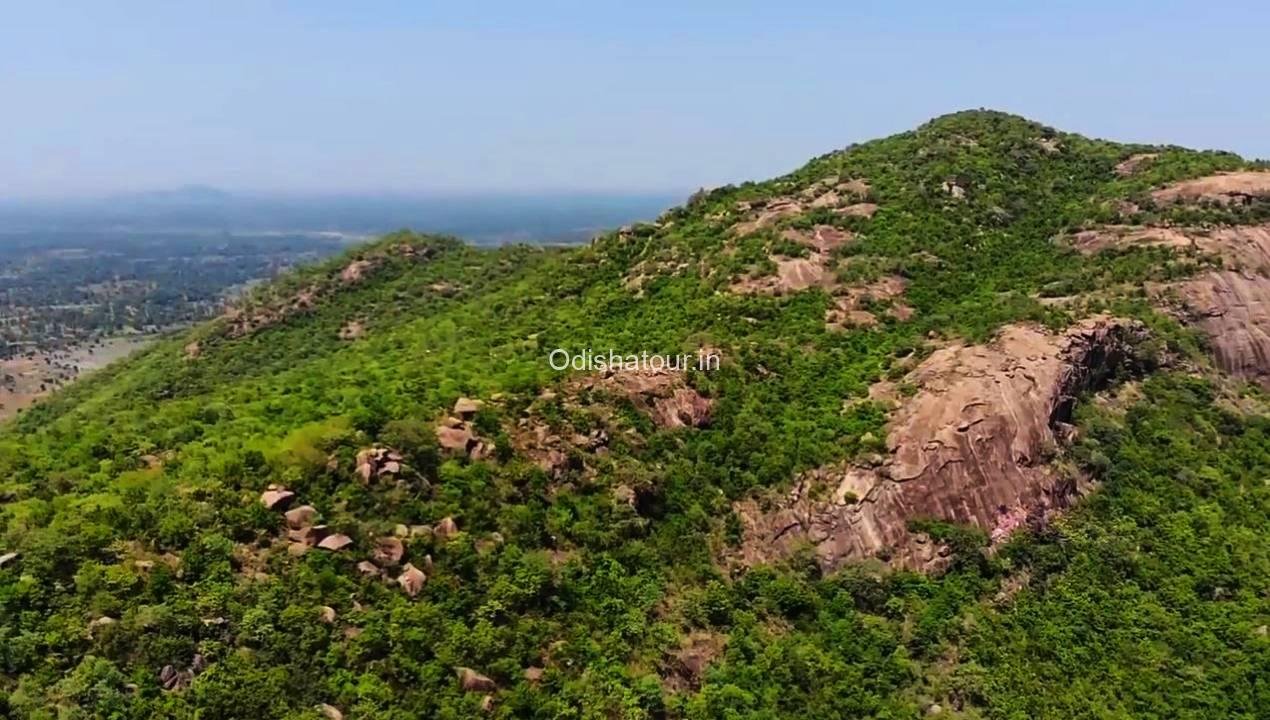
{"points": [[966, 422]]}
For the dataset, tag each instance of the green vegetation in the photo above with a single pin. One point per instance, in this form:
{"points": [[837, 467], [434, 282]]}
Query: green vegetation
{"points": [[1151, 600]]}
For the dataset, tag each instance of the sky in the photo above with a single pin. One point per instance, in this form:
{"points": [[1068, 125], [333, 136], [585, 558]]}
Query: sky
{"points": [[321, 96]]}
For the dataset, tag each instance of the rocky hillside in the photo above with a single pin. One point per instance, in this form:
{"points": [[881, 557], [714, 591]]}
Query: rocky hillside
{"points": [[970, 421]]}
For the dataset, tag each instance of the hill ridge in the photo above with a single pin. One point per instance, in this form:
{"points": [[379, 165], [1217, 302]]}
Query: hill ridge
{"points": [[366, 489]]}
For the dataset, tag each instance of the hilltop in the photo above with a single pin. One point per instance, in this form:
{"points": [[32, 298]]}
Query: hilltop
{"points": [[988, 437]]}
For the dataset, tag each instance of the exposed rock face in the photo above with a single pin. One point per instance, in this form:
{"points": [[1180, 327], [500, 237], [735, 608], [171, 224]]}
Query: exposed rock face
{"points": [[849, 303], [768, 216], [826, 193], [1230, 305], [454, 438], [1223, 188], [1050, 145], [864, 210], [969, 447], [309, 536], [684, 408], [1134, 163], [1233, 310], [821, 238], [173, 679], [1090, 241], [554, 452], [792, 275]]}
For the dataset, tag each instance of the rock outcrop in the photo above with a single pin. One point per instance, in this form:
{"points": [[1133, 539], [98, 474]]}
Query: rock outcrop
{"points": [[1233, 310], [411, 580], [969, 447], [472, 681], [850, 303], [458, 437], [821, 238], [1229, 304], [662, 395], [276, 497], [1132, 164], [388, 551], [335, 542], [301, 517], [792, 275], [1228, 188]]}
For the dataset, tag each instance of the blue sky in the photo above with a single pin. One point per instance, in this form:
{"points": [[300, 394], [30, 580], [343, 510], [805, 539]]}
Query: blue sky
{"points": [[103, 97]]}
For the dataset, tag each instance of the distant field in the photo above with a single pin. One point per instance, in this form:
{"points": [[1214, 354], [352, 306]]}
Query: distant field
{"points": [[27, 378]]}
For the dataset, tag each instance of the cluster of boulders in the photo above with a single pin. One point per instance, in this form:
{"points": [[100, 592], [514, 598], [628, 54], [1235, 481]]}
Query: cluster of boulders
{"points": [[387, 552], [662, 395], [376, 463], [555, 454], [457, 435], [302, 528], [173, 679], [386, 557]]}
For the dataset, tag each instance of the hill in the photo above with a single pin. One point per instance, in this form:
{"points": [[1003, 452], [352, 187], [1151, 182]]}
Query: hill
{"points": [[987, 437]]}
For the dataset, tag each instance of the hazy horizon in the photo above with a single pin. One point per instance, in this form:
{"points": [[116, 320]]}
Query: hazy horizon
{"points": [[325, 98]]}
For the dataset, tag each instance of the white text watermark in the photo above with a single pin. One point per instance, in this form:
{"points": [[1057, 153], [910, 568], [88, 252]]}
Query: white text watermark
{"points": [[602, 360]]}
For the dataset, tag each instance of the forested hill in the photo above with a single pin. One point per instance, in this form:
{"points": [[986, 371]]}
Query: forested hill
{"points": [[988, 438]]}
